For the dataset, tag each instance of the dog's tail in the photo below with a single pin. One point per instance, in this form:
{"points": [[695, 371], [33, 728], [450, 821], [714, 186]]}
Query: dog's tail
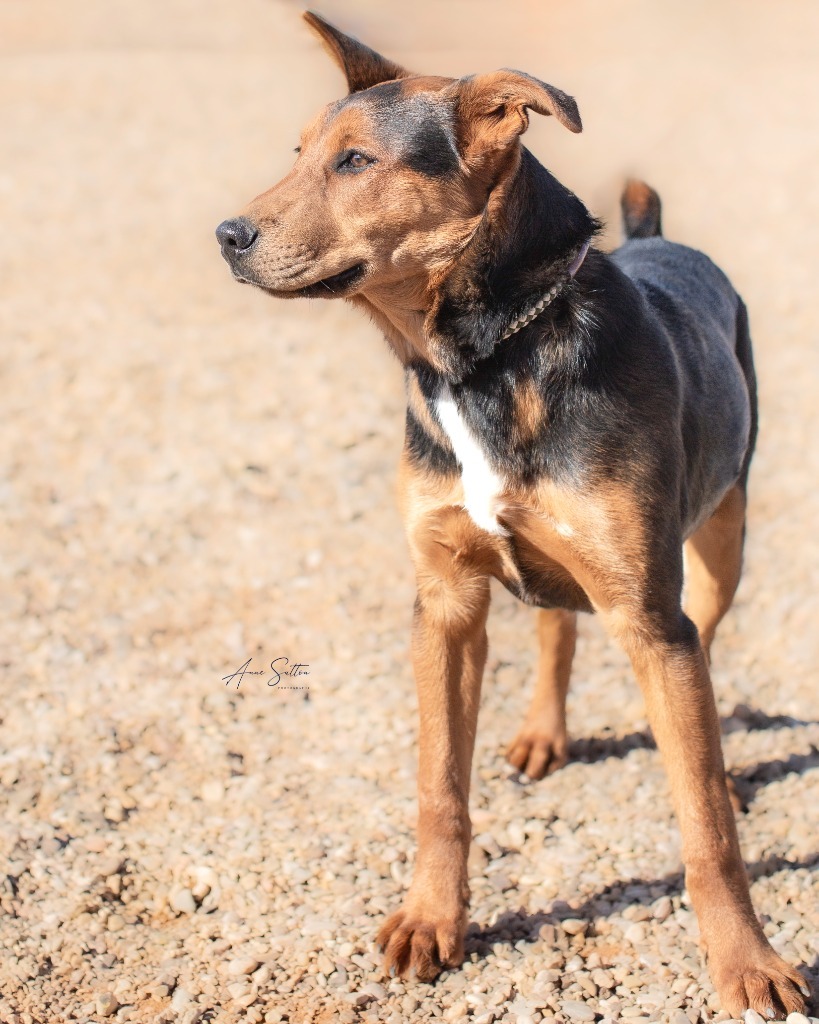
{"points": [[641, 210]]}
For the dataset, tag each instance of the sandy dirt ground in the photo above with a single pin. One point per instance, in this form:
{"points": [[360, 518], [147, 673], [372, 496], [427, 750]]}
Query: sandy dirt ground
{"points": [[193, 475]]}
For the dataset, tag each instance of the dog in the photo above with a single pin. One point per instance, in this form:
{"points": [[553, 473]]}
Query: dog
{"points": [[575, 422]]}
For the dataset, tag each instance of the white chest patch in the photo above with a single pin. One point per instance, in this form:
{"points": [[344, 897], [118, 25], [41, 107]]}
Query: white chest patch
{"points": [[482, 485]]}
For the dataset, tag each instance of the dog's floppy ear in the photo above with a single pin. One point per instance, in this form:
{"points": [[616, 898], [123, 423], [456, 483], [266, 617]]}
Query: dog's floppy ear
{"points": [[492, 109], [362, 66]]}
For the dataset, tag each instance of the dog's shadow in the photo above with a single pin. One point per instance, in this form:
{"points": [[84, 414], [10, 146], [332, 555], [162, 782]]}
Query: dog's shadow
{"points": [[747, 781], [513, 927]]}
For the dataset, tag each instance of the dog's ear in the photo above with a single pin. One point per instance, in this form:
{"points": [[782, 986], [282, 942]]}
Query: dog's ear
{"points": [[362, 66], [492, 109]]}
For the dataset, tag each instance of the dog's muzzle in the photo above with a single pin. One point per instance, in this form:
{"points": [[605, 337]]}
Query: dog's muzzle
{"points": [[236, 237]]}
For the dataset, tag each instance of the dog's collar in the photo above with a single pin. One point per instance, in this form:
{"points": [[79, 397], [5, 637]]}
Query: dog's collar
{"points": [[531, 314]]}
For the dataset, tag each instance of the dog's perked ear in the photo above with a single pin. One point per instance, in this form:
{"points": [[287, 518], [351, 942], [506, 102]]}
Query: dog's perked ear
{"points": [[491, 110], [362, 66]]}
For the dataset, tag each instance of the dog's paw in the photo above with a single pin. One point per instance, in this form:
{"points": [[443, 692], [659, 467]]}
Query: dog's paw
{"points": [[768, 985], [537, 753], [419, 943]]}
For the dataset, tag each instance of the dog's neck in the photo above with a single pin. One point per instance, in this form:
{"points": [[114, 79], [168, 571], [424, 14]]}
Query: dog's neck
{"points": [[400, 314], [531, 230]]}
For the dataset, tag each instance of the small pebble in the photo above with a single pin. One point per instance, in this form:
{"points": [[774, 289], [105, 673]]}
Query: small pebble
{"points": [[243, 965], [662, 909], [456, 1013], [107, 1003], [679, 1017], [182, 901], [180, 999], [577, 1011]]}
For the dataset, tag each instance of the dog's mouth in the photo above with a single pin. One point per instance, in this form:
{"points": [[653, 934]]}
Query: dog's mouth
{"points": [[335, 285]]}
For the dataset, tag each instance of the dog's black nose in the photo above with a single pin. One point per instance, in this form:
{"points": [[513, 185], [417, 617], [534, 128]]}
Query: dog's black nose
{"points": [[236, 236]]}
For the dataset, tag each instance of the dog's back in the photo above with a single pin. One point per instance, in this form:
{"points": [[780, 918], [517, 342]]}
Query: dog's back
{"points": [[704, 321]]}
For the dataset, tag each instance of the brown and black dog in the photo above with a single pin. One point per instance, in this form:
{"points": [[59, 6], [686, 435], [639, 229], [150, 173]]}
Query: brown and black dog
{"points": [[575, 420]]}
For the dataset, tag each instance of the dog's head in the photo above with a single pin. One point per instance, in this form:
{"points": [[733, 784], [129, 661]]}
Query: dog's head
{"points": [[391, 182]]}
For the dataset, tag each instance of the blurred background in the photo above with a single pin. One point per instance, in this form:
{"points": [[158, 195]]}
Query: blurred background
{"points": [[193, 474]]}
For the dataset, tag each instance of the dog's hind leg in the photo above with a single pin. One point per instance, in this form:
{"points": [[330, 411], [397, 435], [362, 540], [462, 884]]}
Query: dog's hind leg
{"points": [[713, 557], [541, 745]]}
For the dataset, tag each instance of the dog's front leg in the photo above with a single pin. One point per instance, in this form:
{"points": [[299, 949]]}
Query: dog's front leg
{"points": [[672, 671], [449, 651]]}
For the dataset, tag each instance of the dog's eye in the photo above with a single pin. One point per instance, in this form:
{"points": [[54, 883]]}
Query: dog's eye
{"points": [[297, 149], [352, 160]]}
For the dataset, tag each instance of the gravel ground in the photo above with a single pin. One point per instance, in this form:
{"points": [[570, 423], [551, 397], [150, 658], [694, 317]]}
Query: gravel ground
{"points": [[194, 475]]}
